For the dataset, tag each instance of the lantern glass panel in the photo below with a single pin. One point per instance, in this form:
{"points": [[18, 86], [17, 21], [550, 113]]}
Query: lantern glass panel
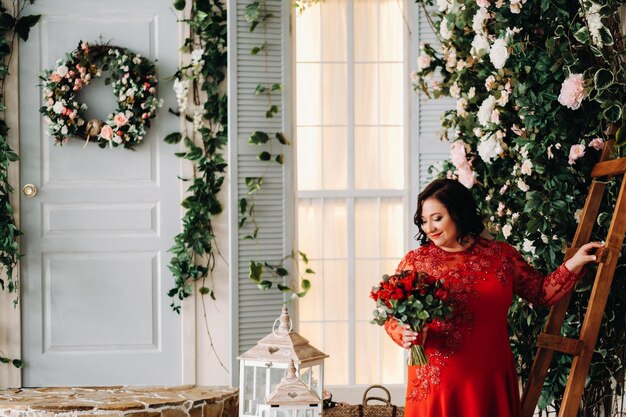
{"points": [[254, 389], [311, 377]]}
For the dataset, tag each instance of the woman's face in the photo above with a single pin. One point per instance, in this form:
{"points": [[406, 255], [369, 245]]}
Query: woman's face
{"points": [[439, 226]]}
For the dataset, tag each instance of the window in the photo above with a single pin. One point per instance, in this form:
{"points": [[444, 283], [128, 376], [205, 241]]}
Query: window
{"points": [[352, 178]]}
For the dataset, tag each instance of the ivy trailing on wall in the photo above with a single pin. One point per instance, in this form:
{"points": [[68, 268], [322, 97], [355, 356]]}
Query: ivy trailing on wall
{"points": [[265, 274], [12, 24]]}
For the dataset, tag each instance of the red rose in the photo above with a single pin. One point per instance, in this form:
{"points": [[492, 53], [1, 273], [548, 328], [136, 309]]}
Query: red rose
{"points": [[442, 294]]}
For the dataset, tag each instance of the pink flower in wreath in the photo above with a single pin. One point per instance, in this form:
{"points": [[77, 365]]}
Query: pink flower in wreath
{"points": [[106, 132], [120, 119], [467, 176], [597, 144], [576, 152], [572, 91], [55, 78]]}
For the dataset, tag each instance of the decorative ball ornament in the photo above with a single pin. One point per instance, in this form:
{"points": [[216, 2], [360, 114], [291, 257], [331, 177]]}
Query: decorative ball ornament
{"points": [[133, 79]]}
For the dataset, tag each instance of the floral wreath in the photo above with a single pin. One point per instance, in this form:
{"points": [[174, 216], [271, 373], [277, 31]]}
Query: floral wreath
{"points": [[134, 82]]}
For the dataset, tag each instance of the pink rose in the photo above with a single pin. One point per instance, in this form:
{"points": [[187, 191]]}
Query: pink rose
{"points": [[55, 78], [457, 155], [482, 3], [576, 152], [495, 116], [467, 177], [106, 132], [572, 91], [501, 209], [597, 144], [120, 119], [423, 62]]}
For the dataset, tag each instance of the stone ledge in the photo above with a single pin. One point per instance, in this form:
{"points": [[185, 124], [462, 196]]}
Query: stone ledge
{"points": [[119, 401]]}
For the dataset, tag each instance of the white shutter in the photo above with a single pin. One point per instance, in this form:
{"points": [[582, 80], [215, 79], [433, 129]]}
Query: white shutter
{"points": [[429, 113], [254, 311]]}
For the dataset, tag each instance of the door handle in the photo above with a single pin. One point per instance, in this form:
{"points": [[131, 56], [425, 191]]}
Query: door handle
{"points": [[30, 190]]}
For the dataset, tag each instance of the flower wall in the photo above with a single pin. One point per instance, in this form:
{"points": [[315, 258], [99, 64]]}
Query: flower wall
{"points": [[538, 84]]}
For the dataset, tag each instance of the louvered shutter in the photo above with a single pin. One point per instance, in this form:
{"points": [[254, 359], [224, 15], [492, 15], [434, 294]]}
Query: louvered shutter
{"points": [[429, 113], [254, 310]]}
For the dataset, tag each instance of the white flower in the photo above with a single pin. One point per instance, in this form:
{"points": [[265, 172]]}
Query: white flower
{"points": [[478, 132], [527, 167], [443, 30], [544, 238], [196, 56], [489, 148], [181, 88], [549, 152], [595, 24], [57, 107], [495, 116], [471, 93], [528, 246], [503, 189], [504, 98], [522, 185], [64, 130], [499, 53], [444, 5], [490, 83], [62, 70], [478, 22], [197, 119], [506, 230], [577, 214], [484, 112], [461, 107], [455, 91], [514, 217], [480, 45]]}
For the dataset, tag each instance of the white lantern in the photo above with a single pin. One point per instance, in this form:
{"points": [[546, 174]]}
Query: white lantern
{"points": [[291, 398], [262, 368]]}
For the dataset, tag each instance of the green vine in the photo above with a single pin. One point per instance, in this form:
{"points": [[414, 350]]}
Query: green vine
{"points": [[12, 24], [204, 137], [256, 14]]}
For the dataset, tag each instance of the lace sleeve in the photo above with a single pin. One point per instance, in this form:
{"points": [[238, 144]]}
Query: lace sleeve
{"points": [[407, 263], [532, 286]]}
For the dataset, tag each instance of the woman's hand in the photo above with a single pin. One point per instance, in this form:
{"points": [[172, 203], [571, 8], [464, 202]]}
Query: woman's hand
{"points": [[583, 256], [409, 337]]}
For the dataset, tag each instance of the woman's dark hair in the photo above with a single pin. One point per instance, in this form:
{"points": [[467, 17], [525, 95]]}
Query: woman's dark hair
{"points": [[460, 204]]}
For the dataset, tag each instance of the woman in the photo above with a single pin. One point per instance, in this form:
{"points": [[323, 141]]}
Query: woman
{"points": [[471, 372]]}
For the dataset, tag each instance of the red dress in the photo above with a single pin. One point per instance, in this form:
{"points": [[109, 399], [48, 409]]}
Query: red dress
{"points": [[471, 372]]}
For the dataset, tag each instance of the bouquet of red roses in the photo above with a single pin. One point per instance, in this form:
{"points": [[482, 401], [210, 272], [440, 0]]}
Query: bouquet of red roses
{"points": [[413, 298]]}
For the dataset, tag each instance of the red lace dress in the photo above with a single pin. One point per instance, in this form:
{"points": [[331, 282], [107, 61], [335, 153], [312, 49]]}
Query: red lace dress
{"points": [[471, 372]]}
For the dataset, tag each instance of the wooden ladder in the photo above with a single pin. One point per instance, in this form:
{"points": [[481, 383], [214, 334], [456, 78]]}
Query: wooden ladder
{"points": [[582, 348]]}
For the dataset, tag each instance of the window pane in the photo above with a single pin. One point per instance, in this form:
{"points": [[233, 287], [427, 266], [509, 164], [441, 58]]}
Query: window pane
{"points": [[394, 27], [308, 306], [391, 94], [335, 94], [309, 158], [366, 99], [392, 154], [366, 30], [366, 221], [309, 85], [334, 42], [335, 161], [335, 229], [335, 278], [366, 158], [309, 27], [332, 339], [367, 352], [392, 231], [367, 274], [393, 361], [309, 230]]}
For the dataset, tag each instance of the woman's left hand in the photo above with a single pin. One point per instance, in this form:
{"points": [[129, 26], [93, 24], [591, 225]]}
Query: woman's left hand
{"points": [[583, 256]]}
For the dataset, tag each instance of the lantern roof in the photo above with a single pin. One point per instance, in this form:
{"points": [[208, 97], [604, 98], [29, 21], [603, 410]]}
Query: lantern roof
{"points": [[283, 345], [292, 391]]}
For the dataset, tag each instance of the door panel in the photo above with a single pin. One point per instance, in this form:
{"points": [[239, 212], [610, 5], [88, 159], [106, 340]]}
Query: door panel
{"points": [[94, 274]]}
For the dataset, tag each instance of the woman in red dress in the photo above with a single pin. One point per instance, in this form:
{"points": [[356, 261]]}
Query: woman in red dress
{"points": [[471, 372]]}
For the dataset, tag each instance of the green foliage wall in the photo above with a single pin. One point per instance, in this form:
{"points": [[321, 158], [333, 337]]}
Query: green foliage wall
{"points": [[537, 84]]}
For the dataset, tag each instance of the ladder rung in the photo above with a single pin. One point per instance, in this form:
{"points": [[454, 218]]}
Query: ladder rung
{"points": [[609, 168], [602, 254], [560, 343]]}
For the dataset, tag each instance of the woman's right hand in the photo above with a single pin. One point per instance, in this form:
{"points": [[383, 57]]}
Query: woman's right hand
{"points": [[409, 337]]}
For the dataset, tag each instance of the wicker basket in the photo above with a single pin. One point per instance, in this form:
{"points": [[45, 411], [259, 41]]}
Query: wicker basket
{"points": [[365, 409]]}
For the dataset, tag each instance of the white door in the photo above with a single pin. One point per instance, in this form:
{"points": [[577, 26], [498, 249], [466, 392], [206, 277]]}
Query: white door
{"points": [[94, 274]]}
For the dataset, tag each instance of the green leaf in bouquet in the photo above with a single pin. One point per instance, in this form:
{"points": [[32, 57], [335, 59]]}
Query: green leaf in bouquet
{"points": [[423, 315], [401, 308], [429, 299], [376, 313]]}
